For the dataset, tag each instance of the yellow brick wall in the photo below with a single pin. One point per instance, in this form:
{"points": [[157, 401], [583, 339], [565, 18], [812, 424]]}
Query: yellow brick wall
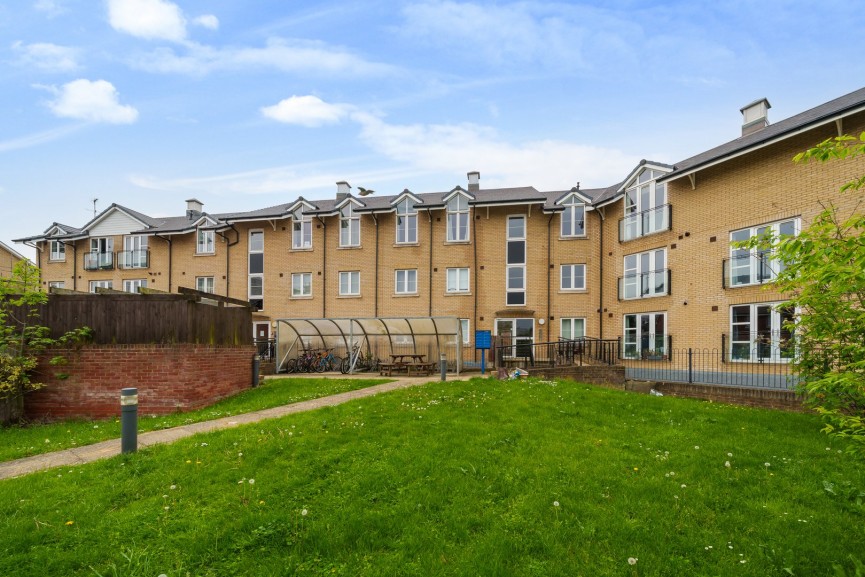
{"points": [[758, 188]]}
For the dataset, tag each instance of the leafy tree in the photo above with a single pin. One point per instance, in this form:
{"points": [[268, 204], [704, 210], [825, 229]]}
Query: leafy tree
{"points": [[22, 338], [822, 270]]}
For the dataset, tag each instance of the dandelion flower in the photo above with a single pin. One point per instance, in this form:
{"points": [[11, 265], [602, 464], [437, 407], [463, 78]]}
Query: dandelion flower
{"points": [[252, 481], [173, 487], [767, 464], [304, 512], [727, 464], [240, 454], [729, 454], [684, 485], [555, 503], [70, 522], [166, 507], [632, 560], [636, 468], [188, 461], [697, 447]]}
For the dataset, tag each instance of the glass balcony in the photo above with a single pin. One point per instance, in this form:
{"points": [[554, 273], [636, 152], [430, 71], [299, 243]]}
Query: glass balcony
{"points": [[99, 261], [646, 222], [127, 259]]}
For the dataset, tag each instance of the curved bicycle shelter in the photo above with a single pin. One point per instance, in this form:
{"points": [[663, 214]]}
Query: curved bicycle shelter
{"points": [[378, 338]]}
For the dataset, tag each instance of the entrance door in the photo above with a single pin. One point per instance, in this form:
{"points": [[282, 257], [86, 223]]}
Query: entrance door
{"points": [[261, 334], [518, 334]]}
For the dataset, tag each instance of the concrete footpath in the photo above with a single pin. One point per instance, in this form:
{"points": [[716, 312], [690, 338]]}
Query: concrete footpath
{"points": [[110, 448]]}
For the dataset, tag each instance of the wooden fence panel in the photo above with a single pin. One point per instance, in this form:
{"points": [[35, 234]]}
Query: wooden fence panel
{"points": [[147, 319]]}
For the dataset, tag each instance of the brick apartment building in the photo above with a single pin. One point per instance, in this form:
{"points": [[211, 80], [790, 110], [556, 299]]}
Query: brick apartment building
{"points": [[647, 260]]}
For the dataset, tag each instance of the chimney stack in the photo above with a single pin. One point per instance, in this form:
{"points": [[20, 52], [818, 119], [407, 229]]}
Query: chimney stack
{"points": [[755, 116], [193, 208], [343, 189], [474, 181]]}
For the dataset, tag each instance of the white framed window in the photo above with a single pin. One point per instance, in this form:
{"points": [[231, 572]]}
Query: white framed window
{"points": [[95, 284], [58, 251], [205, 242], [573, 218], [458, 280], [645, 335], [464, 329], [646, 275], [646, 208], [762, 333], [573, 277], [458, 219], [405, 281], [132, 285], [135, 253], [349, 226], [406, 222], [256, 268], [301, 284], [56, 284], [349, 283], [756, 267], [205, 284], [574, 328], [301, 229], [515, 269]]}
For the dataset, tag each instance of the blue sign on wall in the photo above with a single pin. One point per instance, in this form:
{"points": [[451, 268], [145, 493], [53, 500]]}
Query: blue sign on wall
{"points": [[483, 339]]}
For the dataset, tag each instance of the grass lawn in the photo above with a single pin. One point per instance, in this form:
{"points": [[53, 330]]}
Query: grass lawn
{"points": [[17, 442], [477, 477]]}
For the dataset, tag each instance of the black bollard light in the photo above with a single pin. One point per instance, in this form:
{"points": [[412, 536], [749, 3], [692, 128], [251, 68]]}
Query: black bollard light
{"points": [[128, 420], [444, 366]]}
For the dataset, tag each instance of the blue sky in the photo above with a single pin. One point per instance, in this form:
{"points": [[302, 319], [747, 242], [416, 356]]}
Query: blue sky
{"points": [[249, 104]]}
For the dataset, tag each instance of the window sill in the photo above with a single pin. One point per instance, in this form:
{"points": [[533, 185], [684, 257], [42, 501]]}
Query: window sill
{"points": [[405, 295], [458, 293], [352, 247], [575, 237], [53, 260], [300, 298], [405, 244], [573, 291], [304, 249], [644, 297], [751, 284], [457, 242], [348, 296], [205, 254]]}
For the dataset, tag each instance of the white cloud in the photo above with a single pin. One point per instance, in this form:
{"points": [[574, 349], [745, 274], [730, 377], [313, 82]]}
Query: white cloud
{"points": [[544, 164], [94, 101], [150, 19], [46, 56], [306, 111], [207, 21], [279, 180], [37, 138], [286, 55], [49, 7]]}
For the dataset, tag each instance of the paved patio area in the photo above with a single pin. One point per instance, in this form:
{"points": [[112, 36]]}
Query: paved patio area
{"points": [[105, 449]]}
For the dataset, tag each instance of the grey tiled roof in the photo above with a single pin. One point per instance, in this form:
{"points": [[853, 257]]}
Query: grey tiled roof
{"points": [[814, 116]]}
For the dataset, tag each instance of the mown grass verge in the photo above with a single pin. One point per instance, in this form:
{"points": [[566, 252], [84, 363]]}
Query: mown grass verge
{"points": [[460, 478], [33, 439]]}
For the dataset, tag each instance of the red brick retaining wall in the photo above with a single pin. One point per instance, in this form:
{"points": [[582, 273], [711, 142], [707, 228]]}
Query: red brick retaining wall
{"points": [[750, 397], [169, 378]]}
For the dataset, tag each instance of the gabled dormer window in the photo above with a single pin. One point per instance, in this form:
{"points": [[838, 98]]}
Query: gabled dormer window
{"points": [[458, 219], [646, 208], [58, 251], [204, 244], [349, 226], [573, 217], [301, 229], [406, 222]]}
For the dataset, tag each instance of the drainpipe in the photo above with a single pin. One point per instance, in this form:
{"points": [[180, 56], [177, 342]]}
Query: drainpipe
{"points": [[375, 291], [549, 279], [323, 268], [228, 246], [475, 268], [429, 216], [601, 211], [168, 240]]}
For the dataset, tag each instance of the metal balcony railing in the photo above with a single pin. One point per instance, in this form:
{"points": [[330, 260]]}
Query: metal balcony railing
{"points": [[643, 285], [749, 269], [759, 347], [99, 261], [646, 222], [127, 259]]}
